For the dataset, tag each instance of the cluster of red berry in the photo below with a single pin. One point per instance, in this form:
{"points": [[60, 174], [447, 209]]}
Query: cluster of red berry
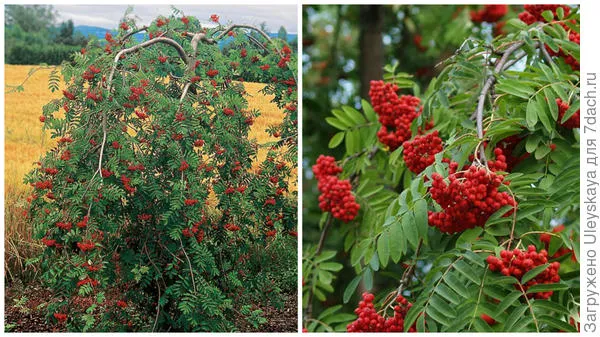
{"points": [[91, 281], [136, 93], [90, 73], [489, 13], [231, 227], [190, 202], [569, 59], [420, 152], [105, 173], [336, 195], [184, 166], [42, 185], [194, 231], [533, 13], [370, 321], [468, 200], [66, 155], [86, 246], [64, 225], [127, 184], [61, 318], [508, 146], [83, 223], [395, 113], [212, 73], [139, 167], [160, 22], [68, 95], [518, 262], [573, 121], [283, 62]]}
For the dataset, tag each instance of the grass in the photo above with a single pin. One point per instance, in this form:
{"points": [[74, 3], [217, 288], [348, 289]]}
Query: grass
{"points": [[25, 143]]}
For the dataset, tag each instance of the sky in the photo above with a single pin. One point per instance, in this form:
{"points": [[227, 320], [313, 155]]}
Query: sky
{"points": [[108, 16]]}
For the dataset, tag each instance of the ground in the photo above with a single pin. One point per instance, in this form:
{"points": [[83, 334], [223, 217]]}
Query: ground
{"points": [[23, 314], [24, 144]]}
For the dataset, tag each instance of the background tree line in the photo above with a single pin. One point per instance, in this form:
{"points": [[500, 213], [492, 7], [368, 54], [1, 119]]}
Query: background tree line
{"points": [[33, 35]]}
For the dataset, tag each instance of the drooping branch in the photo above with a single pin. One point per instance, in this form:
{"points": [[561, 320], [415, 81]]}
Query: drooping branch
{"points": [[232, 27], [146, 44], [257, 43], [142, 45], [201, 37], [486, 88], [265, 35], [190, 67], [130, 34]]}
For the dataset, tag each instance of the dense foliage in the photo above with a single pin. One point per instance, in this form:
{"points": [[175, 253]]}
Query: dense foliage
{"points": [[155, 210], [468, 190]]}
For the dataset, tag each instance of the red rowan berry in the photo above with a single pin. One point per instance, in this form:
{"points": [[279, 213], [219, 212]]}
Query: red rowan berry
{"points": [[573, 121], [489, 13], [396, 114], [420, 152], [468, 199], [518, 262]]}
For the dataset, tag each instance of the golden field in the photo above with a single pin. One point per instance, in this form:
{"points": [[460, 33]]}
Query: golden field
{"points": [[25, 143]]}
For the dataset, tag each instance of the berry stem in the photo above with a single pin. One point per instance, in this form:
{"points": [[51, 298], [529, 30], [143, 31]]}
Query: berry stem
{"points": [[537, 327]]}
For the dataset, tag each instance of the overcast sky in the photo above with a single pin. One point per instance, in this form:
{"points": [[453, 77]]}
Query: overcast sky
{"points": [[108, 16]]}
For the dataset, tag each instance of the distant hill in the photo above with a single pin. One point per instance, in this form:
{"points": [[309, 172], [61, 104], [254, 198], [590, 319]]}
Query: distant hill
{"points": [[99, 32]]}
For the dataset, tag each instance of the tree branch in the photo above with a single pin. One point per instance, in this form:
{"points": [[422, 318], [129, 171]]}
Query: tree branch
{"points": [[128, 35], [486, 87], [189, 264], [546, 55], [145, 44], [265, 35], [232, 27]]}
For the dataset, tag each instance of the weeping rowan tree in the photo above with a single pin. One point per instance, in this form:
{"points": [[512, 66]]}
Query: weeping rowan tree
{"points": [[459, 210], [156, 213]]}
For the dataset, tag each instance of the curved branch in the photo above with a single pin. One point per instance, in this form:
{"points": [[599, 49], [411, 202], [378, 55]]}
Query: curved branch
{"points": [[223, 33], [128, 35], [230, 28], [145, 44], [257, 43], [486, 87], [202, 37]]}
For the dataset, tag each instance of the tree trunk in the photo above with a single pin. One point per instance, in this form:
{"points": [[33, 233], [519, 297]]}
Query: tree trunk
{"points": [[371, 46]]}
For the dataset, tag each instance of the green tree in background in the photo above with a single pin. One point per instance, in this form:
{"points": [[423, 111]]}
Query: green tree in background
{"points": [[32, 36], [31, 19]]}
